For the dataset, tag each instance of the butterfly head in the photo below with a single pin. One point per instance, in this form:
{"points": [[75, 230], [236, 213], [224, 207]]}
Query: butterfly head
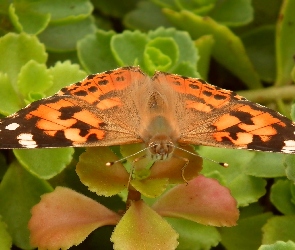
{"points": [[160, 147]]}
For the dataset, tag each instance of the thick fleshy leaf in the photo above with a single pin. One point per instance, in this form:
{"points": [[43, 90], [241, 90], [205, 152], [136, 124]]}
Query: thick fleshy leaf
{"points": [[26, 19], [193, 235], [128, 47], [261, 50], [16, 50], [44, 162], [10, 102], [267, 165], [95, 53], [65, 218], [228, 49], [160, 54], [102, 179], [150, 187], [187, 52], [279, 245], [140, 18], [244, 188], [5, 238], [247, 234], [143, 228], [33, 90], [19, 192], [202, 200], [64, 36], [232, 12], [63, 74], [281, 196], [279, 228], [115, 8], [290, 167]]}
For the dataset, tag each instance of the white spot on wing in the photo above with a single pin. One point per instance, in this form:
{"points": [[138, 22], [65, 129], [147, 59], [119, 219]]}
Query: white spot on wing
{"points": [[26, 140], [289, 147], [12, 126]]}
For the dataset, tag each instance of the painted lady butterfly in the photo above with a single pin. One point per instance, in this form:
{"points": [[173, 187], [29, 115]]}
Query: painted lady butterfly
{"points": [[124, 106]]}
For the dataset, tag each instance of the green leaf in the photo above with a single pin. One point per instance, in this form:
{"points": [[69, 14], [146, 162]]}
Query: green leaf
{"points": [[33, 90], [228, 49], [232, 12], [279, 245], [193, 235], [10, 102], [95, 53], [290, 167], [279, 228], [281, 197], [26, 19], [267, 165], [64, 11], [244, 188], [187, 50], [64, 36], [128, 47], [285, 42], [185, 69], [44, 163], [115, 8], [140, 18], [5, 238], [64, 74], [246, 235], [261, 50], [16, 50], [19, 191], [160, 54]]}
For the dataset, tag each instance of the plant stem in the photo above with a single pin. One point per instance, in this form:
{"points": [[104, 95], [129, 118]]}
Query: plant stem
{"points": [[269, 94]]}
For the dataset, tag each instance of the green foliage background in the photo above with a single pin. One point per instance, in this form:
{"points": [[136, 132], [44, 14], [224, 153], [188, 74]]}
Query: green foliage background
{"points": [[242, 45]]}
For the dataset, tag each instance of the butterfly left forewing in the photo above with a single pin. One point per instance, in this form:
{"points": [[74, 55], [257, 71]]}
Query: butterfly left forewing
{"points": [[83, 114]]}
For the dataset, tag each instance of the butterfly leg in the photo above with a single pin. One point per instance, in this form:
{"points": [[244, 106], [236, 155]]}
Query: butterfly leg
{"points": [[132, 168], [186, 162]]}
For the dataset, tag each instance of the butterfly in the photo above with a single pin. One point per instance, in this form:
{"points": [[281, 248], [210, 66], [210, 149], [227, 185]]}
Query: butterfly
{"points": [[125, 106]]}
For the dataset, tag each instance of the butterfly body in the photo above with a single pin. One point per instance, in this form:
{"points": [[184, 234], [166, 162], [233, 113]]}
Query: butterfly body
{"points": [[126, 106]]}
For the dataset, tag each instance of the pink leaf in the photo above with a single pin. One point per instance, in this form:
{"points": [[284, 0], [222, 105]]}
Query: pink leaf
{"points": [[65, 218], [202, 200]]}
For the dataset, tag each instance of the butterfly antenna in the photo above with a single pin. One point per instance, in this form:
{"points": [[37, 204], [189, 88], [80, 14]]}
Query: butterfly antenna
{"points": [[223, 164], [110, 163]]}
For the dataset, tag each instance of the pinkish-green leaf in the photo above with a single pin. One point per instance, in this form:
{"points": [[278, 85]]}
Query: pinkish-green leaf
{"points": [[65, 218], [143, 228], [150, 187], [102, 179], [202, 200]]}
